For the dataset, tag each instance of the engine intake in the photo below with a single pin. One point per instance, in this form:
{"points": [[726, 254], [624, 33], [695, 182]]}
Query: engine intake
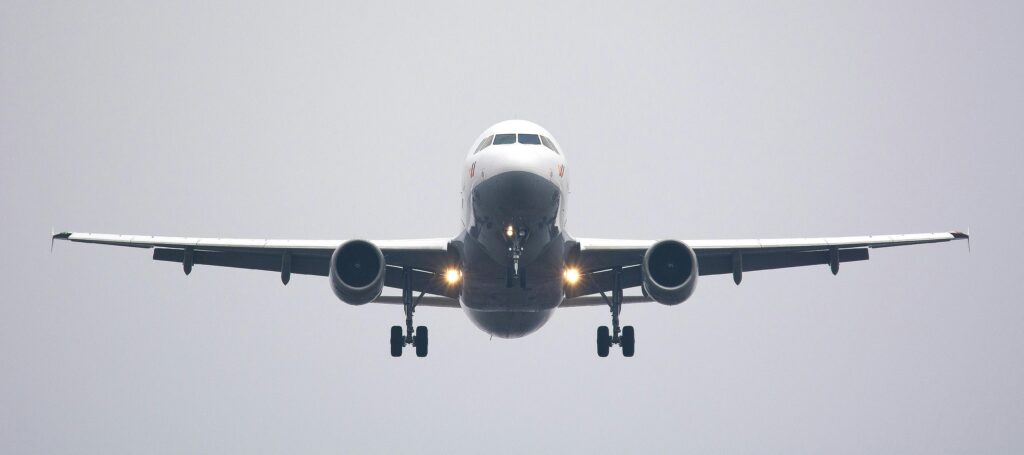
{"points": [[357, 272], [669, 272]]}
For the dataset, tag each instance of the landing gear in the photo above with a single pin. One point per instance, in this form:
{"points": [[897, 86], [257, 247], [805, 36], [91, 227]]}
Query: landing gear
{"points": [[421, 341], [628, 341], [516, 238], [604, 341], [625, 336], [398, 340]]}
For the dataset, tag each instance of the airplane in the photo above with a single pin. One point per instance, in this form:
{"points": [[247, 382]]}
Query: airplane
{"points": [[513, 263]]}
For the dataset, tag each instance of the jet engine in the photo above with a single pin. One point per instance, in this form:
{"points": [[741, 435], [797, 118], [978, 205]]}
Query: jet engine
{"points": [[669, 272], [357, 272]]}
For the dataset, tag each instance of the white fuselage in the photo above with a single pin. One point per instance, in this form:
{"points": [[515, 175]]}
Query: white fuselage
{"points": [[514, 190]]}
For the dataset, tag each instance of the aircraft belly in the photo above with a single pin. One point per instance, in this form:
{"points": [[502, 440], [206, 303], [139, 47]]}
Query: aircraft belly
{"points": [[496, 303], [486, 285]]}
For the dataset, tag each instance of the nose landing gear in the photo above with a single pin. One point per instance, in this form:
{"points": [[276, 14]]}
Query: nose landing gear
{"points": [[624, 337], [516, 238], [398, 340]]}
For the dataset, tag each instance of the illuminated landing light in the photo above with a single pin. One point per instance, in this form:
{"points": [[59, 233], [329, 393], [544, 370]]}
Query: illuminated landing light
{"points": [[572, 275], [452, 275], [510, 231]]}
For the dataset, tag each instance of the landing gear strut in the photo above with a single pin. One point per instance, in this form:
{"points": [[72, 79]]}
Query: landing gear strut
{"points": [[623, 337], [419, 339]]}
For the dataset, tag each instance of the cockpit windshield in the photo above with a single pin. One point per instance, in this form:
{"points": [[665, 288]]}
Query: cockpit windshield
{"points": [[531, 139], [502, 139], [547, 143], [509, 138], [484, 143]]}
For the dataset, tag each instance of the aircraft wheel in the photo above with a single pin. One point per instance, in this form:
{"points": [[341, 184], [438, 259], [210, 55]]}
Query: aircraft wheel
{"points": [[397, 341], [628, 341], [421, 341], [604, 341]]}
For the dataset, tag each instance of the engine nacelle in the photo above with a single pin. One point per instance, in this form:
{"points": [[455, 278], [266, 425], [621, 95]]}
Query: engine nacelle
{"points": [[669, 272], [357, 272]]}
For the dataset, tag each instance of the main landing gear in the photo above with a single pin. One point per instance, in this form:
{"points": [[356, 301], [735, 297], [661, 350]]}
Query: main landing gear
{"points": [[624, 337], [419, 339]]}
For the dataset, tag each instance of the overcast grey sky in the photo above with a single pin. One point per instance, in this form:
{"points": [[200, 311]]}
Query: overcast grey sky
{"points": [[351, 120]]}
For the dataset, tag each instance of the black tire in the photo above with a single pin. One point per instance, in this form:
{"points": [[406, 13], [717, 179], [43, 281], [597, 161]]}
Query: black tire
{"points": [[421, 341], [397, 341], [628, 341], [604, 341]]}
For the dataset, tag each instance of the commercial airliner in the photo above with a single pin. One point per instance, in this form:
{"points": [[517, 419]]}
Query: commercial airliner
{"points": [[514, 262]]}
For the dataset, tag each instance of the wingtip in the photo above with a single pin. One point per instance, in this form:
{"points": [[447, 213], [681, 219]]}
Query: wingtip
{"points": [[957, 235]]}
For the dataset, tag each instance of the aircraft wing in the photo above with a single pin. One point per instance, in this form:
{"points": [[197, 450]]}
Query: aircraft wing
{"points": [[426, 257], [597, 257]]}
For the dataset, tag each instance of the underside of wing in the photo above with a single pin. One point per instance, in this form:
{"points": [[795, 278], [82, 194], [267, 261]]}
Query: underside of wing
{"points": [[598, 258], [424, 258]]}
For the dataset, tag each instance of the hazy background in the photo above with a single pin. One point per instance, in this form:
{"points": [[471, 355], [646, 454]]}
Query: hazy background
{"points": [[328, 120]]}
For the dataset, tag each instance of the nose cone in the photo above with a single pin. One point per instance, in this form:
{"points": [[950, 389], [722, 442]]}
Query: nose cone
{"points": [[517, 194], [499, 159]]}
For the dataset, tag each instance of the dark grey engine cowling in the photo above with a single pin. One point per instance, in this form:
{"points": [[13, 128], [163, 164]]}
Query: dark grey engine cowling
{"points": [[669, 272], [357, 272]]}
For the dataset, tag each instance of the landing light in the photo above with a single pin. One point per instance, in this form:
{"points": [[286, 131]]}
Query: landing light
{"points": [[510, 231], [452, 275], [572, 275]]}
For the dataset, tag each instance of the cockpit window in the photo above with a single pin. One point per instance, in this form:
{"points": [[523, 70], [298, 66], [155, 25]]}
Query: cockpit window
{"points": [[547, 143], [502, 139], [531, 139], [483, 144]]}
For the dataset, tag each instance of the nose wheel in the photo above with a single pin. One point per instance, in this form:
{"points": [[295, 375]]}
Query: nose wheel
{"points": [[419, 338], [625, 337]]}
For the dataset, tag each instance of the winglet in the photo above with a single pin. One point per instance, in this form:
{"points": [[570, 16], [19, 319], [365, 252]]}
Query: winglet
{"points": [[961, 235], [60, 235]]}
